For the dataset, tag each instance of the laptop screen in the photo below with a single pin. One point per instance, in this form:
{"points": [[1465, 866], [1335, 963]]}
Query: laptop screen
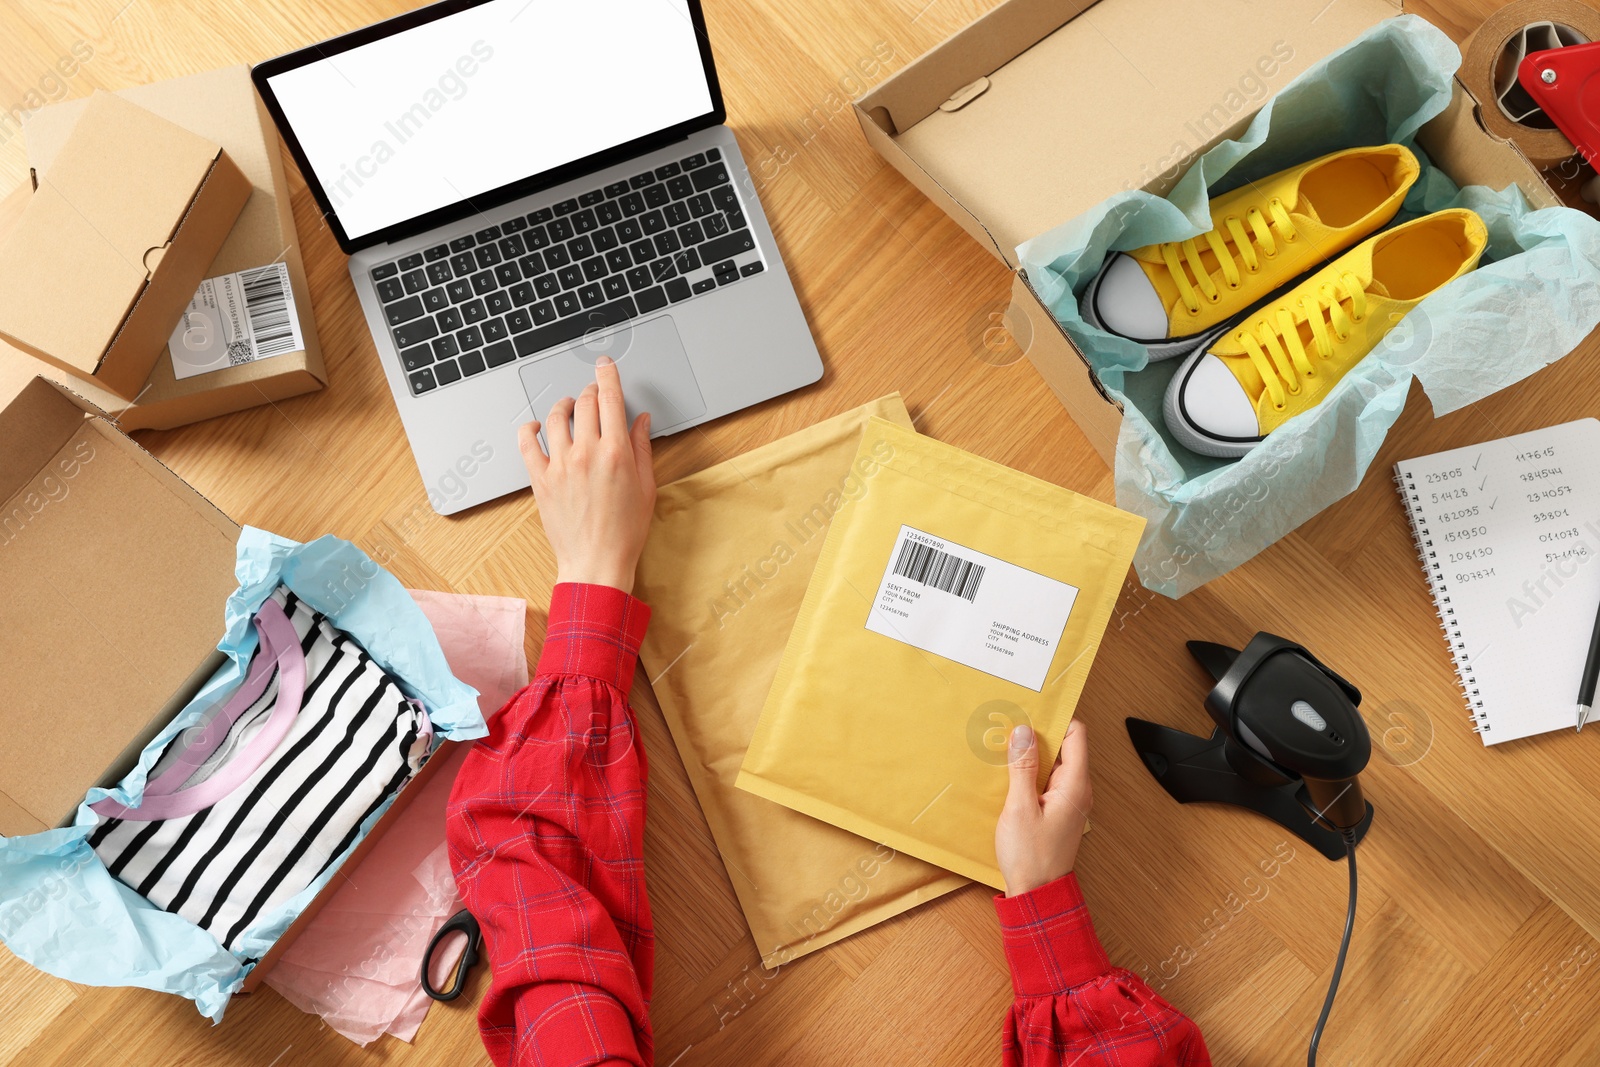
{"points": [[485, 97]]}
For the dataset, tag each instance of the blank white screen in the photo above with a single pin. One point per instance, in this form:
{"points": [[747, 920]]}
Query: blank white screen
{"points": [[488, 96]]}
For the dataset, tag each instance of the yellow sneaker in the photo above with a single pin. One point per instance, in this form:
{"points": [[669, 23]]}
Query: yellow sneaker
{"points": [[1179, 295], [1285, 356]]}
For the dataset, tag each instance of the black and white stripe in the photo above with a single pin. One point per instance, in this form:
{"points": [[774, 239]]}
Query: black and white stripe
{"points": [[349, 749]]}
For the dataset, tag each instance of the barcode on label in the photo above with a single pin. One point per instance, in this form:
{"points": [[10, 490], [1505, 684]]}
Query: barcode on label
{"points": [[267, 304], [941, 570]]}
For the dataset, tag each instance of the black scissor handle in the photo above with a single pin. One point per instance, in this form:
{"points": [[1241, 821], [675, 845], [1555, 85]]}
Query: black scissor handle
{"points": [[466, 924]]}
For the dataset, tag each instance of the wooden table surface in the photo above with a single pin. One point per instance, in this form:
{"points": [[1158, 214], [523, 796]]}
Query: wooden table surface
{"points": [[1475, 940]]}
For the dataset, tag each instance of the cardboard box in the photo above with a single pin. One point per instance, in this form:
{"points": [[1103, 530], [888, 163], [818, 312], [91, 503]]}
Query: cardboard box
{"points": [[220, 105], [1033, 114], [113, 576], [113, 241]]}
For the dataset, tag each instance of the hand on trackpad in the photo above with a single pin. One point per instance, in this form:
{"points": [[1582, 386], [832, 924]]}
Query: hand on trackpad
{"points": [[655, 372]]}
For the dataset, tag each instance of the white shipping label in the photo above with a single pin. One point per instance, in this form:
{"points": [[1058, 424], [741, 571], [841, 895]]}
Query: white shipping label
{"points": [[236, 318], [975, 609]]}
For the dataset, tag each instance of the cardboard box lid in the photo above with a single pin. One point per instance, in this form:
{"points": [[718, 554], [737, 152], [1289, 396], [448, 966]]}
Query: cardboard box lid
{"points": [[1084, 100], [113, 575], [221, 106], [96, 228]]}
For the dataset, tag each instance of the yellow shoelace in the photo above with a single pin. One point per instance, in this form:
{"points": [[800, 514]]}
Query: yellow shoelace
{"points": [[1274, 345], [1261, 229]]}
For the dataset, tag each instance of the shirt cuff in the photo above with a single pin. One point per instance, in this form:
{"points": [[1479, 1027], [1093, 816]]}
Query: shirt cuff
{"points": [[594, 631], [1050, 939]]}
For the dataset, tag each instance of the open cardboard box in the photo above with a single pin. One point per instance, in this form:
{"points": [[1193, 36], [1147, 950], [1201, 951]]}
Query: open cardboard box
{"points": [[1043, 108], [113, 575], [222, 106]]}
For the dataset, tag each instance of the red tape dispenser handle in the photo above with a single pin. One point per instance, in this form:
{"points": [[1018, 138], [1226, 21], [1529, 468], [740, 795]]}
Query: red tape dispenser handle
{"points": [[1565, 83]]}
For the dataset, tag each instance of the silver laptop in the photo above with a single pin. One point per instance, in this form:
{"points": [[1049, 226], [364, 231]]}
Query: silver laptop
{"points": [[524, 185]]}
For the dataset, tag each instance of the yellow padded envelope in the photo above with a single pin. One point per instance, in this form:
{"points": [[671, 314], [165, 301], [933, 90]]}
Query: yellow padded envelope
{"points": [[954, 599], [724, 571]]}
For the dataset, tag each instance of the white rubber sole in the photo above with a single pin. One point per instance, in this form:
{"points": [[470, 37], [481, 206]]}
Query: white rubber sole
{"points": [[1159, 350], [1192, 437]]}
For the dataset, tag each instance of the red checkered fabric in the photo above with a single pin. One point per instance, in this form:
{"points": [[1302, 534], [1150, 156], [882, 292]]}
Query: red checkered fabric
{"points": [[546, 836], [1072, 1006]]}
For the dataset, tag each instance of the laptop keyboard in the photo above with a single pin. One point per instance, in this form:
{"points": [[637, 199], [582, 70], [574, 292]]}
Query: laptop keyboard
{"points": [[534, 281]]}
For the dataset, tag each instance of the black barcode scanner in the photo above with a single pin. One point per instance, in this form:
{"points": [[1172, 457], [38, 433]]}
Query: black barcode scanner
{"points": [[1289, 744]]}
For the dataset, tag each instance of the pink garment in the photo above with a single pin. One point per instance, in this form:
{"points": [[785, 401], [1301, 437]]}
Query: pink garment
{"points": [[356, 964]]}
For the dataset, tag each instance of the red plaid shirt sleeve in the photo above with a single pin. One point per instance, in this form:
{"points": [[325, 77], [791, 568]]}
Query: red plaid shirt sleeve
{"points": [[546, 837], [1072, 1006]]}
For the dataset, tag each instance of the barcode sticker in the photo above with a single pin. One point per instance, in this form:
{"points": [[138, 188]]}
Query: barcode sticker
{"points": [[237, 318], [973, 608]]}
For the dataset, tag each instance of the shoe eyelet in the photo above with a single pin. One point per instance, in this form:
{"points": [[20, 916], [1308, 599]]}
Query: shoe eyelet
{"points": [[1311, 374], [1213, 300], [1234, 287], [1279, 407], [1343, 337]]}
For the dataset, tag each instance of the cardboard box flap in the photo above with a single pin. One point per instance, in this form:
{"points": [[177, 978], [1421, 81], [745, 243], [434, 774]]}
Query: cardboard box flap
{"points": [[1122, 91], [114, 572]]}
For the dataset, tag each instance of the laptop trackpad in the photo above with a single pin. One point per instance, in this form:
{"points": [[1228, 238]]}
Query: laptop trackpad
{"points": [[650, 358]]}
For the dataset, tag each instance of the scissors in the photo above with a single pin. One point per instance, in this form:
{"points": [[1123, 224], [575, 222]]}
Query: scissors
{"points": [[464, 922]]}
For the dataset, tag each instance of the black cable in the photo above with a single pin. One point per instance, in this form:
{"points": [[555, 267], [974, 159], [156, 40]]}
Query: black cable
{"points": [[1344, 947]]}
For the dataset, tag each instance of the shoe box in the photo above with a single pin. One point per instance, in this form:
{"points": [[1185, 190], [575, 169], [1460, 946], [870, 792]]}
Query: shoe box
{"points": [[190, 382], [1041, 109], [114, 573]]}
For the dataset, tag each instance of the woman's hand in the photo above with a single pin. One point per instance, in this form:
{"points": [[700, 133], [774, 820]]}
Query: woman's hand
{"points": [[596, 489], [1037, 838]]}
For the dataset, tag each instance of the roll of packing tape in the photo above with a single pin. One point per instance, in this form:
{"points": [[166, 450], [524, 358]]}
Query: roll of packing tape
{"points": [[1493, 54]]}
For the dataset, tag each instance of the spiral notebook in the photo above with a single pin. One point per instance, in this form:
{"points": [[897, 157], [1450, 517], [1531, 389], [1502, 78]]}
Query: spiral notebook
{"points": [[1508, 532]]}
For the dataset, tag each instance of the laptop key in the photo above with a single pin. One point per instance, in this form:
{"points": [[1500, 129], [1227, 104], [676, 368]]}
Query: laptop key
{"points": [[618, 259], [522, 294], [713, 154], [414, 333], [667, 243], [404, 310], [567, 303], [519, 320], [680, 187], [447, 372], [677, 213], [544, 311], [726, 272], [639, 181], [459, 290], [656, 195], [591, 198], [556, 256], [594, 269], [462, 243], [651, 299], [696, 160], [608, 212], [662, 269], [560, 230], [437, 252], [652, 222], [384, 270], [532, 265], [639, 278], [643, 251], [498, 302], [507, 274], [752, 268], [487, 255], [716, 174], [512, 247], [435, 300], [704, 285], [411, 262], [471, 363], [736, 219], [567, 207], [439, 273], [629, 230], [605, 239], [535, 238], [474, 311], [584, 221], [632, 204], [498, 355], [571, 276], [514, 225], [724, 197], [390, 290], [445, 347], [546, 285], [616, 189], [495, 330], [415, 281], [416, 357], [615, 286], [575, 326], [691, 233], [715, 225], [489, 233], [463, 264], [687, 260], [591, 295], [666, 170], [449, 320], [544, 214], [483, 282], [422, 381], [470, 338], [580, 248], [700, 205], [677, 289], [727, 247]]}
